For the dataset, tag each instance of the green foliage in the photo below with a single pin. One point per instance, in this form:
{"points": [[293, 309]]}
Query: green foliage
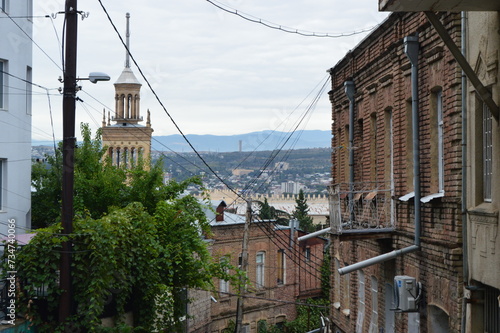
{"points": [[98, 185], [135, 241], [308, 317], [130, 255], [301, 213], [268, 212], [325, 275]]}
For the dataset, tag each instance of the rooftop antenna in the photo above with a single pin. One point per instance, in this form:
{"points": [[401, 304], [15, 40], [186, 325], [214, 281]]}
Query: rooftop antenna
{"points": [[127, 35]]}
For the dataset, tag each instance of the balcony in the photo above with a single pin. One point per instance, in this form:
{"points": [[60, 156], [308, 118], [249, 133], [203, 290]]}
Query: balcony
{"points": [[361, 208]]}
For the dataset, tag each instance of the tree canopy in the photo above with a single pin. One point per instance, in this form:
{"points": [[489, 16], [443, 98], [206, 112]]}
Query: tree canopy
{"points": [[126, 252], [301, 213]]}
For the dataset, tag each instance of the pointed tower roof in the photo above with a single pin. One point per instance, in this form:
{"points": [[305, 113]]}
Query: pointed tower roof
{"points": [[127, 76]]}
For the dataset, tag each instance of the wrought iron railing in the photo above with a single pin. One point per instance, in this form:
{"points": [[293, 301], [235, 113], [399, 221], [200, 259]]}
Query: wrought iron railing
{"points": [[361, 207]]}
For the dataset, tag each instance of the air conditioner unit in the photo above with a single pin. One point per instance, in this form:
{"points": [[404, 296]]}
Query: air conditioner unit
{"points": [[407, 292]]}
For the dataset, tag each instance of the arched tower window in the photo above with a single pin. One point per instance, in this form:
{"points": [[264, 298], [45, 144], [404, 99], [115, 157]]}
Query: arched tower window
{"points": [[129, 107]]}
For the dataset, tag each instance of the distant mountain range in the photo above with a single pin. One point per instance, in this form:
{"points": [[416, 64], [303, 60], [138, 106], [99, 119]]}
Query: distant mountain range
{"points": [[259, 141]]}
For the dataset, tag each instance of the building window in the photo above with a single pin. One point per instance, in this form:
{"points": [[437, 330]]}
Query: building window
{"points": [[224, 284], [373, 147], [409, 147], [281, 267], [390, 318], [487, 153], [440, 130], [28, 89], [260, 261], [30, 10], [3, 77], [2, 171], [5, 6], [307, 254], [374, 317], [336, 283], [437, 150], [346, 155], [361, 302], [491, 309]]}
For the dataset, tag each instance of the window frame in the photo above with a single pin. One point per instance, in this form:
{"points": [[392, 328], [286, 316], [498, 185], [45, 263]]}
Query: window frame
{"points": [[4, 6], [281, 276], [487, 153], [260, 269], [224, 284], [361, 302], [3, 165], [3, 84], [440, 135]]}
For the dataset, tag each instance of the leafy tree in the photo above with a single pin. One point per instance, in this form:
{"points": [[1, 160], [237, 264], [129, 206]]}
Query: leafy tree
{"points": [[301, 213], [98, 184], [126, 245], [268, 212]]}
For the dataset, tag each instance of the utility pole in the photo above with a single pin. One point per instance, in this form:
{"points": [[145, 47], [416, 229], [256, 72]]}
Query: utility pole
{"points": [[69, 100], [244, 268]]}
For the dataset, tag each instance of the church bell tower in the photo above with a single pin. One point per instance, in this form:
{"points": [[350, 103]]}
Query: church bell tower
{"points": [[126, 139]]}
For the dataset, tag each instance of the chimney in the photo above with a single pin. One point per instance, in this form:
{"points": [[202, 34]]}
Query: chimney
{"points": [[219, 216]]}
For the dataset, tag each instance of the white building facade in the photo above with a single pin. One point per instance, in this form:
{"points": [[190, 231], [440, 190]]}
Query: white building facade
{"points": [[15, 114]]}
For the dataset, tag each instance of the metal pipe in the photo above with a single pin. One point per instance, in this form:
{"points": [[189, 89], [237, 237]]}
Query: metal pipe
{"points": [[349, 90], [377, 259], [465, 261], [411, 48], [314, 234]]}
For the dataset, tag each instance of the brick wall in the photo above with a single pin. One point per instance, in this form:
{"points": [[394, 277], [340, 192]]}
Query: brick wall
{"points": [[301, 278], [381, 73]]}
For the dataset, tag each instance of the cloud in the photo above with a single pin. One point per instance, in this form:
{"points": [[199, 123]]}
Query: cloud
{"points": [[215, 72]]}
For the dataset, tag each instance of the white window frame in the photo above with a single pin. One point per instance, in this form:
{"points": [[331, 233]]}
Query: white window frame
{"points": [[440, 134], [361, 302], [374, 317], [260, 260], [487, 153]]}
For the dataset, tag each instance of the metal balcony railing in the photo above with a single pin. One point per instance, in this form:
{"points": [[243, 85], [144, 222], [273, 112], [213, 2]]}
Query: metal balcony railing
{"points": [[361, 207]]}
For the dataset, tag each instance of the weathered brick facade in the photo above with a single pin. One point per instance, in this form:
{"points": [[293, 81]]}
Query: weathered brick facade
{"points": [[288, 270], [383, 163]]}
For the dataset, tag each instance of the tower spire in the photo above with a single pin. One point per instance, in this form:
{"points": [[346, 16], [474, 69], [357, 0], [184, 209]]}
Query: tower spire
{"points": [[127, 35]]}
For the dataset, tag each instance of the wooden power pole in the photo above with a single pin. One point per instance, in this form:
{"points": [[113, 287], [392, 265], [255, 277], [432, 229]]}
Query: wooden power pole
{"points": [[69, 105], [244, 268]]}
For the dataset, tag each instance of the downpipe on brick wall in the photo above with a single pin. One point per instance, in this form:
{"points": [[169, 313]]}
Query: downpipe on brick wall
{"points": [[411, 48]]}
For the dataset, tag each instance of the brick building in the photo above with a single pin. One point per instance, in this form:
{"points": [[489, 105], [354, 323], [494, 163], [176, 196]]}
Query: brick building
{"points": [[478, 57], [396, 198], [280, 273]]}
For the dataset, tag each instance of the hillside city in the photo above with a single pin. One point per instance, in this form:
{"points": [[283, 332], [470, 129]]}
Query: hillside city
{"points": [[392, 227]]}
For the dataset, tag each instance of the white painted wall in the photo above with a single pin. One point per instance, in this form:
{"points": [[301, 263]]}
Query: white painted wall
{"points": [[15, 116]]}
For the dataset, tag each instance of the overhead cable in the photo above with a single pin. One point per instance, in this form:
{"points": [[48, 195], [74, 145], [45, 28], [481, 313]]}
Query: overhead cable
{"points": [[280, 27]]}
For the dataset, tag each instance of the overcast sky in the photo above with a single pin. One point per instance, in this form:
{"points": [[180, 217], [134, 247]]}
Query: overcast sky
{"points": [[215, 72]]}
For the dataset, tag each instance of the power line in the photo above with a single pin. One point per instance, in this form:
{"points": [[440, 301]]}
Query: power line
{"points": [[31, 39], [163, 106], [280, 27]]}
